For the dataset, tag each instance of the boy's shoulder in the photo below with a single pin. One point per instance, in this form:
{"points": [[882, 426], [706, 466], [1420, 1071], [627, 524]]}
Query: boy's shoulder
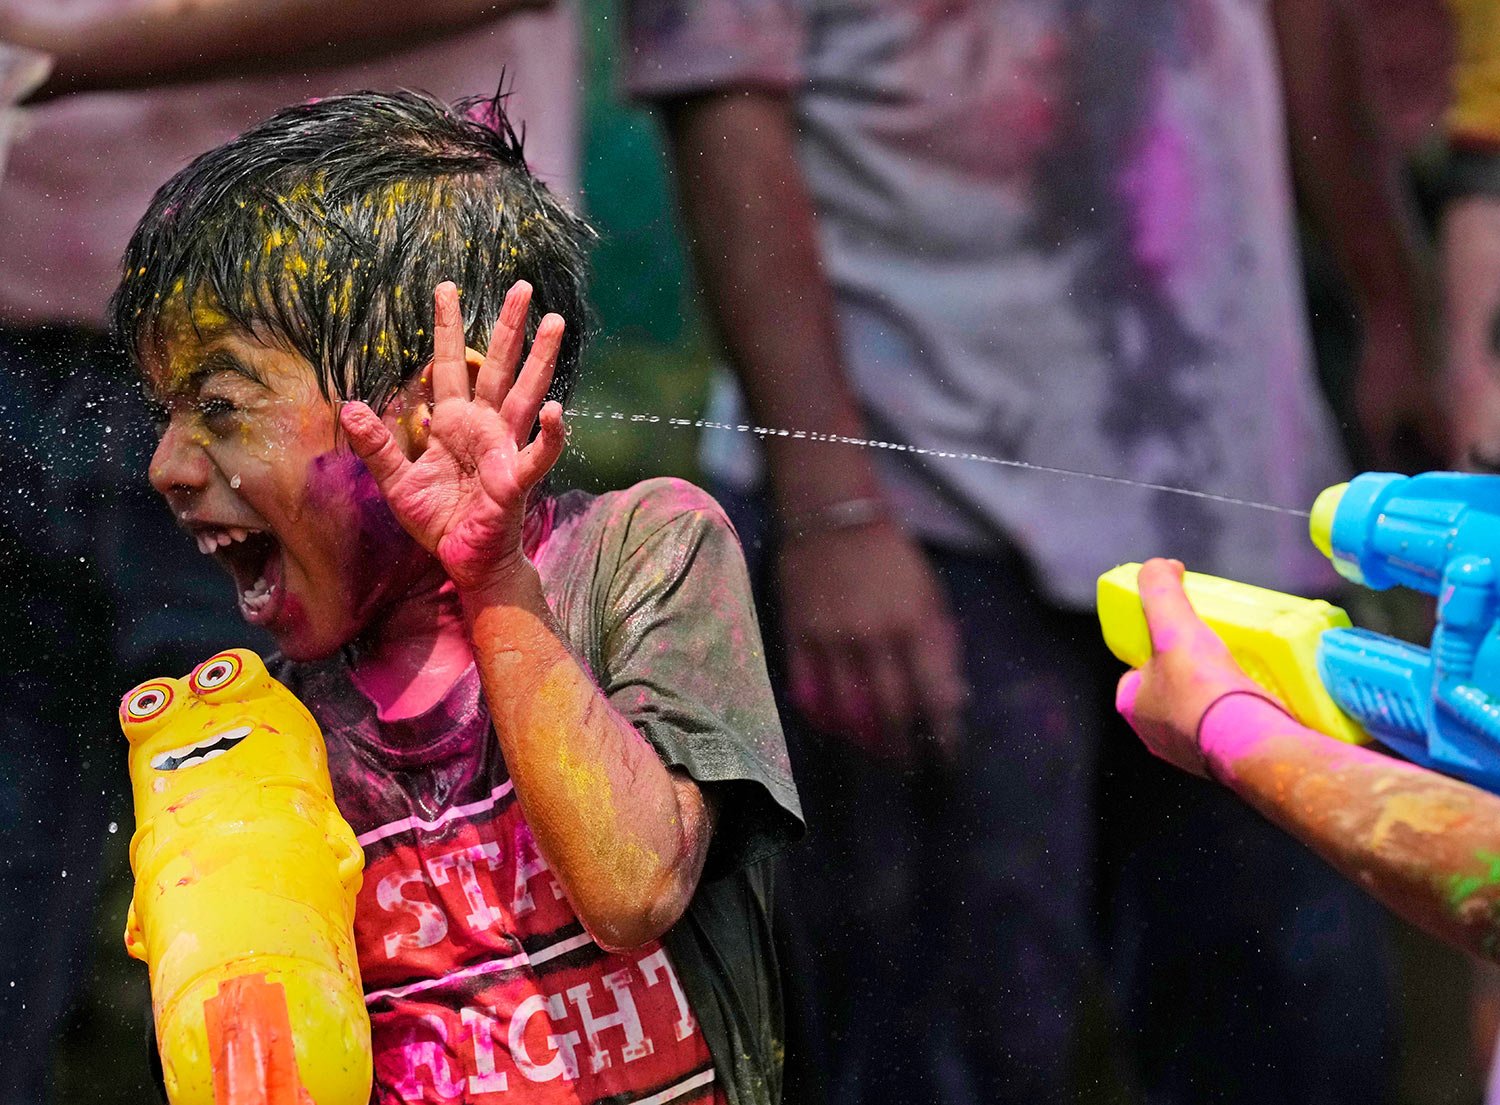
{"points": [[628, 518]]}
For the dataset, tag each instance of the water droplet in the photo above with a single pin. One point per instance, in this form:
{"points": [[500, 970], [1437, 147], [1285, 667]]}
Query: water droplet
{"points": [[234, 481], [114, 826]]}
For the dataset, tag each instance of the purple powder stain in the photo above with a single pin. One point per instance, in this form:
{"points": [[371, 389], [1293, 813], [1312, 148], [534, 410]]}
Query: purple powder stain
{"points": [[1158, 189], [339, 476]]}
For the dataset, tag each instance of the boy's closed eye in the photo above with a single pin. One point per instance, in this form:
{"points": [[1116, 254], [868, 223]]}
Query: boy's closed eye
{"points": [[217, 412]]}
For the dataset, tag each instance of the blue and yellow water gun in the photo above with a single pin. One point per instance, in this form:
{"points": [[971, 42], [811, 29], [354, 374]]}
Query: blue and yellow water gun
{"points": [[1438, 533]]}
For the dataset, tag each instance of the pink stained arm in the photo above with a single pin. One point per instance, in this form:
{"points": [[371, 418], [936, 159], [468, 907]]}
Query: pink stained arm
{"points": [[1426, 846]]}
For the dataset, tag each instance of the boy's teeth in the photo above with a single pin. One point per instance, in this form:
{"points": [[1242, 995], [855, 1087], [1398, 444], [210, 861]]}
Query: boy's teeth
{"points": [[212, 540], [256, 596]]}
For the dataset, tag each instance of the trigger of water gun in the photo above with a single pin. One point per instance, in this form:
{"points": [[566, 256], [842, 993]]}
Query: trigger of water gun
{"points": [[1272, 636]]}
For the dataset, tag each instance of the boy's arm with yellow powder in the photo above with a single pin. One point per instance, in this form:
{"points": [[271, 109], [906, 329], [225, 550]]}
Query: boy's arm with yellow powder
{"points": [[626, 836], [1426, 846]]}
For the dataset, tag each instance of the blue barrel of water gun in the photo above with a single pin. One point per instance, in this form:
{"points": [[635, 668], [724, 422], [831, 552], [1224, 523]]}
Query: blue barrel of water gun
{"points": [[1389, 530], [1438, 533]]}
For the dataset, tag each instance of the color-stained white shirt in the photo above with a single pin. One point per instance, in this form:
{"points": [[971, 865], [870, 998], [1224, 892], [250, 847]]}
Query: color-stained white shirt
{"points": [[86, 168], [1057, 231]]}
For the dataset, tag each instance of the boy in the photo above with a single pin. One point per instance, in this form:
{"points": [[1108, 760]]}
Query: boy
{"points": [[547, 718], [1425, 845]]}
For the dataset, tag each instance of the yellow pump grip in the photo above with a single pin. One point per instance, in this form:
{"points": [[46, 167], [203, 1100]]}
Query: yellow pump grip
{"points": [[1272, 636]]}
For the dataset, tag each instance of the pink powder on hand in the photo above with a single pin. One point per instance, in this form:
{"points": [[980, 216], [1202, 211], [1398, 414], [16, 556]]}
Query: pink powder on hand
{"points": [[1235, 727]]}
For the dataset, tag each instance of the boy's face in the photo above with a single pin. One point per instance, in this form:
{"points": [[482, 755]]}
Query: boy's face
{"points": [[250, 464]]}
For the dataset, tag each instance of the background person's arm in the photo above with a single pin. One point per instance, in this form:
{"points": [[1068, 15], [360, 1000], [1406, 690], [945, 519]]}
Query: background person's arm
{"points": [[98, 46], [1471, 235], [1348, 172], [1426, 846], [1471, 278], [872, 646]]}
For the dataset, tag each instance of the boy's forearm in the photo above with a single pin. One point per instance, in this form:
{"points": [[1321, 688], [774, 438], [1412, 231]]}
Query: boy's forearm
{"points": [[156, 42], [1426, 846], [626, 837]]}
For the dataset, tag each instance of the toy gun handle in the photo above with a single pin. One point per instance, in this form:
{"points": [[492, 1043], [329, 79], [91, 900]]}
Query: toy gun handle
{"points": [[1274, 637]]}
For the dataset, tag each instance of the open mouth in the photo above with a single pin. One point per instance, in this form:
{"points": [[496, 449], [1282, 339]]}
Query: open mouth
{"points": [[190, 755], [252, 558]]}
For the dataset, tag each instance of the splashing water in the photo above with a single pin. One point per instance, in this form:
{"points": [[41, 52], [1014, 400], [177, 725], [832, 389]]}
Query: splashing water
{"points": [[917, 450]]}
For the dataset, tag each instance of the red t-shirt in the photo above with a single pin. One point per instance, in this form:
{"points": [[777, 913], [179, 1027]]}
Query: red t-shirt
{"points": [[480, 981]]}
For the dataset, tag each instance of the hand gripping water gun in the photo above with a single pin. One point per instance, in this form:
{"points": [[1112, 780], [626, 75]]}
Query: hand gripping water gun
{"points": [[244, 895], [1440, 707]]}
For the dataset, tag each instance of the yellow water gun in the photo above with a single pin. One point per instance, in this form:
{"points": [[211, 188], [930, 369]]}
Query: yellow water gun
{"points": [[246, 877], [1438, 533]]}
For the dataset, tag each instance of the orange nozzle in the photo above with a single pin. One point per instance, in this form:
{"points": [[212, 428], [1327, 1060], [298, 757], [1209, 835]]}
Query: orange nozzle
{"points": [[250, 1045]]}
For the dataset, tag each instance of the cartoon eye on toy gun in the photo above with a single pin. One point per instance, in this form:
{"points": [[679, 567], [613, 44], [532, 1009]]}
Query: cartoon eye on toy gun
{"points": [[1439, 706], [244, 898]]}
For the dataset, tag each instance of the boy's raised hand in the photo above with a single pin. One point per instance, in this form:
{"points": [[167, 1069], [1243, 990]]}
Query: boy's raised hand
{"points": [[463, 498], [1190, 667]]}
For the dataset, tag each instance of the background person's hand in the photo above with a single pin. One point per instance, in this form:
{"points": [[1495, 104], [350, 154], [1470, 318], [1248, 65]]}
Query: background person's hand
{"points": [[1190, 667], [873, 650], [464, 497]]}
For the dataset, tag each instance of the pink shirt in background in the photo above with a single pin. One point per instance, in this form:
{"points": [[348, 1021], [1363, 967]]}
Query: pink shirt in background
{"points": [[88, 165]]}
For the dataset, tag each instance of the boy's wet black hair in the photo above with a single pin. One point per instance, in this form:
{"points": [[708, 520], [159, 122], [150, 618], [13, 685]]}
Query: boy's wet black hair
{"points": [[325, 229]]}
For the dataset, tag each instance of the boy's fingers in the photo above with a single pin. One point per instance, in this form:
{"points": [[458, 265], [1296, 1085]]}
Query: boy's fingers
{"points": [[450, 365], [372, 443], [1168, 613], [537, 459], [525, 399], [499, 368]]}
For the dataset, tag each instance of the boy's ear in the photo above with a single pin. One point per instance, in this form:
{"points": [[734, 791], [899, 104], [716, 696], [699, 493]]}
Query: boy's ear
{"points": [[409, 413]]}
